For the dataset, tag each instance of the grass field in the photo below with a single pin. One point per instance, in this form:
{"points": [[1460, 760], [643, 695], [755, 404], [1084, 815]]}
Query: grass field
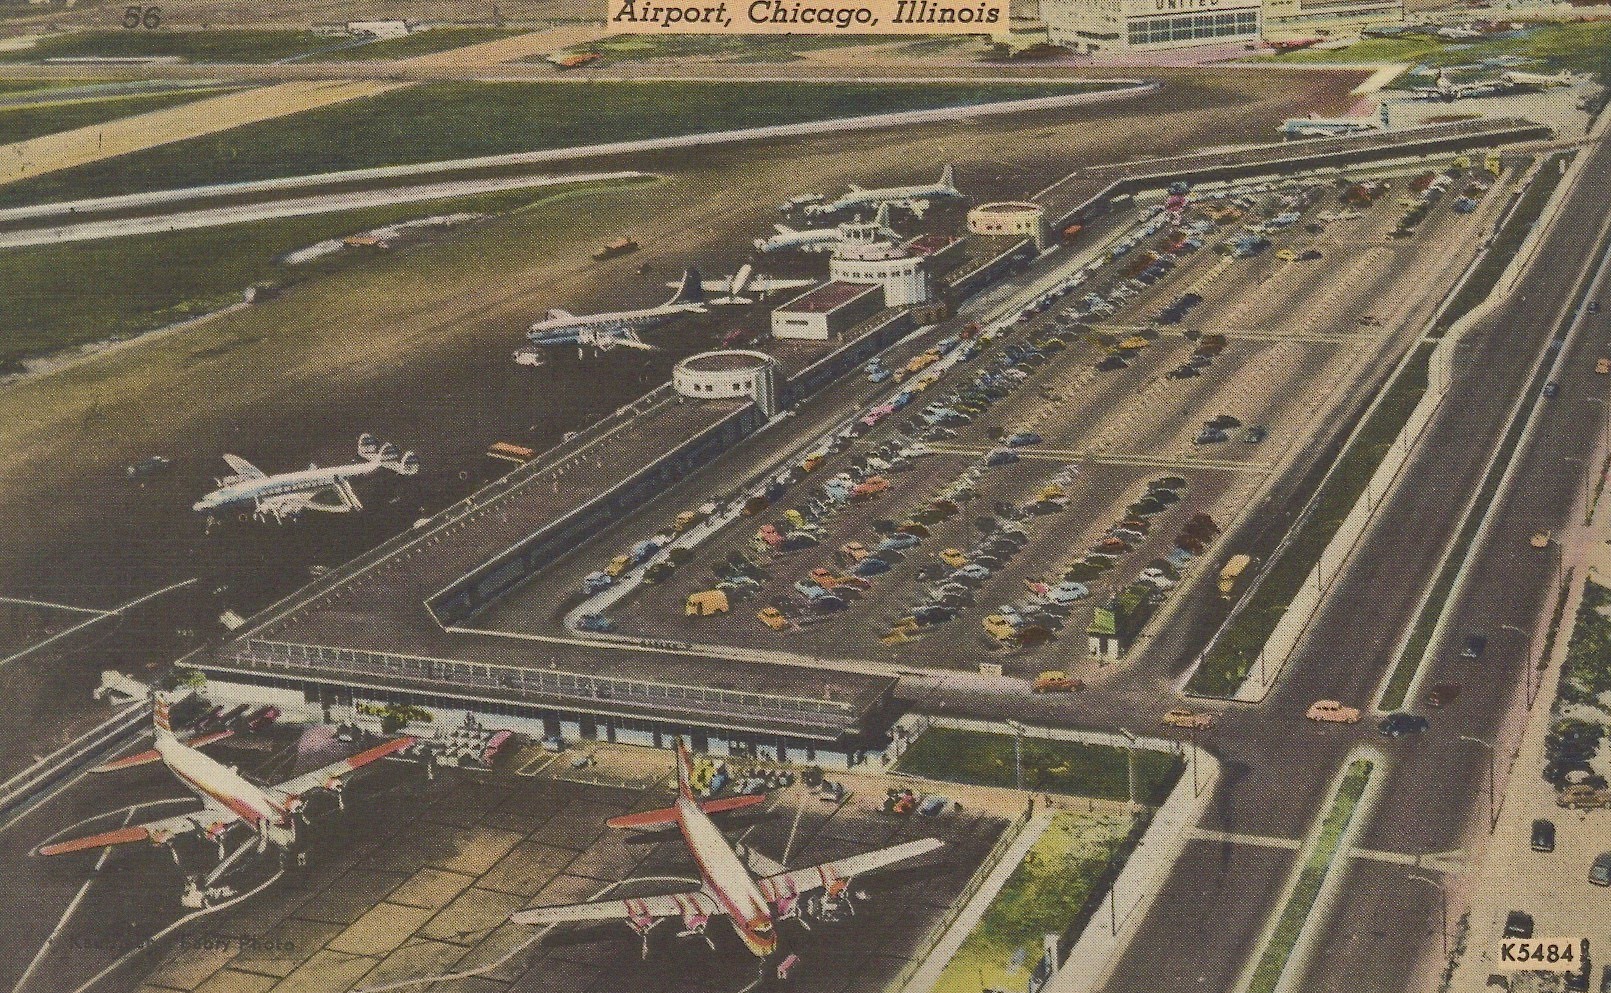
{"points": [[1298, 907], [1066, 767], [1048, 891], [1237, 650], [454, 120], [1586, 674], [62, 296], [33, 120], [193, 46], [418, 43], [1580, 47]]}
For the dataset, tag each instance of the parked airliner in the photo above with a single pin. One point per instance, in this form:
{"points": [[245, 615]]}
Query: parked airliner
{"points": [[288, 494], [227, 797], [752, 905], [913, 198], [560, 327], [732, 288]]}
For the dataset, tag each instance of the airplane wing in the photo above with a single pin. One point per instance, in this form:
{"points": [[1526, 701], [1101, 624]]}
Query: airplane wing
{"points": [[833, 876], [152, 755], [640, 910], [335, 772], [783, 229], [210, 821], [243, 467], [765, 284], [856, 189]]}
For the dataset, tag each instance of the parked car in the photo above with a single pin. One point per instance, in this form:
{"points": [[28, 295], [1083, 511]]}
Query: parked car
{"points": [[1067, 592], [1056, 681], [1518, 924], [1543, 835], [1476, 643], [595, 622], [1600, 871], [1022, 438], [1001, 456]]}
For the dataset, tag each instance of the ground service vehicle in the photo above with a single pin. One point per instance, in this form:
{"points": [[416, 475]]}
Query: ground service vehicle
{"points": [[618, 247], [1232, 572], [708, 602]]}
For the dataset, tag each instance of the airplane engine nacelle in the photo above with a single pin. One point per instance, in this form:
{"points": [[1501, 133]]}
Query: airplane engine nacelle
{"points": [[368, 446], [389, 453], [409, 464]]}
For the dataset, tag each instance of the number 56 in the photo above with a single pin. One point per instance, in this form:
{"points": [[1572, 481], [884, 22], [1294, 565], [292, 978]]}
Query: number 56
{"points": [[148, 17]]}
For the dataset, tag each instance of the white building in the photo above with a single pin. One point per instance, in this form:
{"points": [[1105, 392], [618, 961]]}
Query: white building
{"points": [[885, 264], [725, 375], [1149, 25]]}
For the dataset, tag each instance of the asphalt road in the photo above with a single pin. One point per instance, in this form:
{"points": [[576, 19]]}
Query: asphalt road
{"points": [[1277, 768]]}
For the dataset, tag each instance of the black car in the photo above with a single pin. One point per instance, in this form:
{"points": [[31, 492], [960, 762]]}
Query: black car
{"points": [[1543, 835], [1518, 924], [1398, 725], [1552, 389], [1475, 645]]}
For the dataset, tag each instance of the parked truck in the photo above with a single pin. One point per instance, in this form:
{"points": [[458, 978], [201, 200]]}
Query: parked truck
{"points": [[1232, 572], [612, 249]]}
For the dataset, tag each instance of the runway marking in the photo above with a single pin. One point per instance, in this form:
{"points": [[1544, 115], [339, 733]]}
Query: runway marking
{"points": [[100, 616], [22, 601], [1237, 838], [72, 908]]}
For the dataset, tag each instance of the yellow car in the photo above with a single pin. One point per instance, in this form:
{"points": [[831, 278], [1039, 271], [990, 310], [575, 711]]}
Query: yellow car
{"points": [[999, 628], [617, 566], [953, 558], [1180, 717], [1286, 255], [1602, 366], [773, 618]]}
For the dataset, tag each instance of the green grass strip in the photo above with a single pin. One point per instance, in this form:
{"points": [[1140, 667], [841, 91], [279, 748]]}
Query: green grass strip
{"points": [[27, 121], [1067, 767], [1301, 903], [1237, 649], [1506, 243]]}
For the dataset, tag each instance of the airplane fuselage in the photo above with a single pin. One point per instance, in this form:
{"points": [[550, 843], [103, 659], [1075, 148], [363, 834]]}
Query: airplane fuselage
{"points": [[216, 783], [568, 330], [301, 481], [727, 880], [862, 198]]}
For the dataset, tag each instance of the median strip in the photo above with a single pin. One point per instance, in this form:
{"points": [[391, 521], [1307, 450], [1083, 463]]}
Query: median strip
{"points": [[1295, 913]]}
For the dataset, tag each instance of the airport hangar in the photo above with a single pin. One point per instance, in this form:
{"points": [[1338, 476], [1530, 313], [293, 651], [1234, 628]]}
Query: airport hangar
{"points": [[395, 625]]}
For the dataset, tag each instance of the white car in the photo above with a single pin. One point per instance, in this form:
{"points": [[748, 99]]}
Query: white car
{"points": [[1067, 593], [1157, 578]]}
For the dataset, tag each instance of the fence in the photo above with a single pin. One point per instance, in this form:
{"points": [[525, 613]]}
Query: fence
{"points": [[937, 934], [261, 654]]}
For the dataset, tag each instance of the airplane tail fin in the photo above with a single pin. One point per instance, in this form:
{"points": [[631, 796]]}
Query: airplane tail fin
{"points": [[882, 217], [685, 770], [945, 177], [690, 290]]}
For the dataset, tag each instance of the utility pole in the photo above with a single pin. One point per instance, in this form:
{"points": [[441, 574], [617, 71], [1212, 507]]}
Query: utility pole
{"points": [[1493, 810]]}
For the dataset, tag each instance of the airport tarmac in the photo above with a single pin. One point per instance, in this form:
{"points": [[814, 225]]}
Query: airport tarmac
{"points": [[1112, 432], [417, 879]]}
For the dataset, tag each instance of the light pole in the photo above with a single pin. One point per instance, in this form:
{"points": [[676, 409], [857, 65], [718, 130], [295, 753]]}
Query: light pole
{"points": [[1195, 789], [1588, 509], [1443, 896], [1130, 764], [1017, 753], [1527, 675], [1493, 811]]}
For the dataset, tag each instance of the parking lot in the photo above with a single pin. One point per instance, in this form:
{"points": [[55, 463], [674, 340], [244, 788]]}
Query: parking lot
{"points": [[422, 883], [1207, 376]]}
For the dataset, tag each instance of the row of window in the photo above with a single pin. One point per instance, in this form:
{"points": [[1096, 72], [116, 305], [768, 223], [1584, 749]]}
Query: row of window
{"points": [[1192, 27]]}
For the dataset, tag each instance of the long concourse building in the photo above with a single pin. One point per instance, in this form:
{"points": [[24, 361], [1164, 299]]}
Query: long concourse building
{"points": [[1090, 26]]}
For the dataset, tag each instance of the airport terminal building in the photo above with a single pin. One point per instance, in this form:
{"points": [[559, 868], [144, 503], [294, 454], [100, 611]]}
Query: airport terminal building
{"points": [[1108, 26]]}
